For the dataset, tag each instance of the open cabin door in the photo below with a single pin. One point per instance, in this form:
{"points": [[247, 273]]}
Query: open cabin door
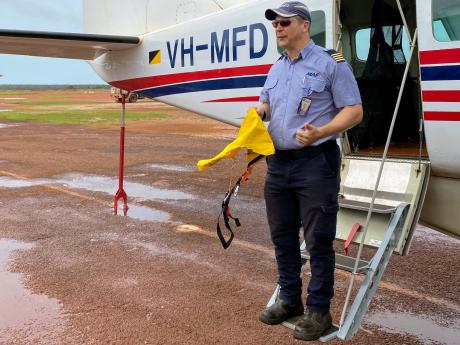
{"points": [[380, 33]]}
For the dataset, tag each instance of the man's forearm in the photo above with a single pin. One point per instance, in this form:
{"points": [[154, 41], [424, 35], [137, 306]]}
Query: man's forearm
{"points": [[347, 118]]}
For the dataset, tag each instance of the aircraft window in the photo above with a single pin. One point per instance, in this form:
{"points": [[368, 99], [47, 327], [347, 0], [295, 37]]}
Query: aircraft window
{"points": [[318, 28], [363, 39], [446, 20]]}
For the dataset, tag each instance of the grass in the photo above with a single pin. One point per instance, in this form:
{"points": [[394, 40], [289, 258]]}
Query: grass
{"points": [[77, 117], [11, 93], [46, 103]]}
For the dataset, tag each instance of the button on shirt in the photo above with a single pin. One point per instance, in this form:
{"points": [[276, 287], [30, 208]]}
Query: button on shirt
{"points": [[315, 76]]}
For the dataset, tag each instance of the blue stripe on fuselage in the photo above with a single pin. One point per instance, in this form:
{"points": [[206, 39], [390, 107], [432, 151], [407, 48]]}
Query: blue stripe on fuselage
{"points": [[206, 85], [441, 73]]}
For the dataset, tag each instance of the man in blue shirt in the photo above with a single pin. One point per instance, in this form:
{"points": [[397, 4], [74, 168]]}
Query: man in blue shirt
{"points": [[310, 97]]}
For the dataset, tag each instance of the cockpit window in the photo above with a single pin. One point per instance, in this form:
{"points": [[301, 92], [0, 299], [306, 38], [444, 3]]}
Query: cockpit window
{"points": [[446, 20], [318, 28]]}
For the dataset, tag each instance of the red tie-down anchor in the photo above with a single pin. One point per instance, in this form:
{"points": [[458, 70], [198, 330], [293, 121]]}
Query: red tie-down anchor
{"points": [[121, 194]]}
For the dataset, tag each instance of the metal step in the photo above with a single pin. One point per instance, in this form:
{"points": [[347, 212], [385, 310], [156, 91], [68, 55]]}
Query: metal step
{"points": [[328, 335], [343, 262]]}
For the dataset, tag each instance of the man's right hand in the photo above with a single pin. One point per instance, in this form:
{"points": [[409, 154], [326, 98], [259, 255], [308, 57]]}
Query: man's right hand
{"points": [[264, 111]]}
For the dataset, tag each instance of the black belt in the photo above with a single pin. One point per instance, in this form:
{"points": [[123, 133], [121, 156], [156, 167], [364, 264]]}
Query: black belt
{"points": [[308, 151]]}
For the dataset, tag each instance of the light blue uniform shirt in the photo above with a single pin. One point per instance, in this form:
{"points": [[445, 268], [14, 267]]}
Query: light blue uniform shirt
{"points": [[315, 75]]}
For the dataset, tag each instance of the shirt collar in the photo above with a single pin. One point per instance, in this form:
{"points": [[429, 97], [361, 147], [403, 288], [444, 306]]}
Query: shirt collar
{"points": [[307, 49]]}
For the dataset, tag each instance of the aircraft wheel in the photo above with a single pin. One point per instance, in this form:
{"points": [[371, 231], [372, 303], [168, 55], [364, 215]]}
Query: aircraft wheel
{"points": [[132, 98]]}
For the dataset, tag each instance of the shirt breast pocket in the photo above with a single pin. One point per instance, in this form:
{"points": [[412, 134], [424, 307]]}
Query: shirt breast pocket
{"points": [[312, 87], [271, 88]]}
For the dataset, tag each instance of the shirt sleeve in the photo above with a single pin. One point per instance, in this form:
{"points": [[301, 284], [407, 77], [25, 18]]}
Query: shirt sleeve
{"points": [[264, 93], [270, 82], [344, 87]]}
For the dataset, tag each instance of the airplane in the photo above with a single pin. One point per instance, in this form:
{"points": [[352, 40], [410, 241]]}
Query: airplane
{"points": [[212, 57]]}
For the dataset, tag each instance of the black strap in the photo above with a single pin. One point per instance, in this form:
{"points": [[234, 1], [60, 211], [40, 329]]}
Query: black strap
{"points": [[225, 212]]}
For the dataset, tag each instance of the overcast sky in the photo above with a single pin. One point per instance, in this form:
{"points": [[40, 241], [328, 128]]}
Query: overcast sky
{"points": [[44, 15]]}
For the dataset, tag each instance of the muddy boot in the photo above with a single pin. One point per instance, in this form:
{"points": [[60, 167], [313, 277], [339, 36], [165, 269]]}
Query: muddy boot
{"points": [[312, 326], [280, 311]]}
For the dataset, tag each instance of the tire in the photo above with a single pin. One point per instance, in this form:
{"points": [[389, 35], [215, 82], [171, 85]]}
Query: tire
{"points": [[132, 98]]}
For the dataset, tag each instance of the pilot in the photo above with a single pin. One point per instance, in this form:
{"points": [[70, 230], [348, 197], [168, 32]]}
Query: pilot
{"points": [[310, 97]]}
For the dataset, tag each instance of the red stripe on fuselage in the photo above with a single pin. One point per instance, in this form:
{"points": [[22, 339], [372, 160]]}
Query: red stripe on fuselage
{"points": [[441, 96], [431, 57], [167, 79], [442, 116], [235, 99]]}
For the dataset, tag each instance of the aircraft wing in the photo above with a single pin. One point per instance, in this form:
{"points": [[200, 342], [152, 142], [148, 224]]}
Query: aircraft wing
{"points": [[62, 45]]}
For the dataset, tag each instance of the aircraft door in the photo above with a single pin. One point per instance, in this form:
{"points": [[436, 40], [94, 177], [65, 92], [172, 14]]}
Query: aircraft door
{"points": [[439, 43]]}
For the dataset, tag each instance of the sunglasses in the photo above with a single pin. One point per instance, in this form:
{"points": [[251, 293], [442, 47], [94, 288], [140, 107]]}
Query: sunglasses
{"points": [[283, 22]]}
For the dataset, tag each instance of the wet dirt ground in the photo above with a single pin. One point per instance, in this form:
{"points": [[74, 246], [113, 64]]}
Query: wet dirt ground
{"points": [[73, 273]]}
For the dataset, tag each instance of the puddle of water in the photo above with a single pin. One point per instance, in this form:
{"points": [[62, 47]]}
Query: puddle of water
{"points": [[3, 111], [20, 308], [11, 182], [145, 213], [170, 167], [2, 161], [133, 189], [108, 185], [12, 98], [5, 125], [422, 327], [101, 184]]}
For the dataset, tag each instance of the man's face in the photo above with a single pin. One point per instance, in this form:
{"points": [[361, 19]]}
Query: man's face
{"points": [[289, 31]]}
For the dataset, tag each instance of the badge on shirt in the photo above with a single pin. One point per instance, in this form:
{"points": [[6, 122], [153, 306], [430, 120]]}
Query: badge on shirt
{"points": [[304, 105]]}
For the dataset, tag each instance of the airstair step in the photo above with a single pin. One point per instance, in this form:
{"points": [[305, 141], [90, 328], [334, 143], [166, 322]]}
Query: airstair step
{"points": [[364, 206], [344, 262], [328, 335]]}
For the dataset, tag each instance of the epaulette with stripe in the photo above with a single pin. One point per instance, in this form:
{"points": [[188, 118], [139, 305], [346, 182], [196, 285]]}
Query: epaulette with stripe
{"points": [[338, 57]]}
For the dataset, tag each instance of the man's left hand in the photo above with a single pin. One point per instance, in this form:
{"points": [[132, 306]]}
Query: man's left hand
{"points": [[308, 134]]}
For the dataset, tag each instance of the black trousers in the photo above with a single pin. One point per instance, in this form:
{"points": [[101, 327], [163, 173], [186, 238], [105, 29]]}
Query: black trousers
{"points": [[301, 190]]}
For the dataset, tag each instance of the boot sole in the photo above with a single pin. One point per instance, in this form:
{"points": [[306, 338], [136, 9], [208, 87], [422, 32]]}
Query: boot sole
{"points": [[310, 337], [273, 322], [307, 337]]}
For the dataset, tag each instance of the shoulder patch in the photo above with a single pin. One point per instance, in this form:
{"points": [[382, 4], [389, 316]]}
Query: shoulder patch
{"points": [[338, 57]]}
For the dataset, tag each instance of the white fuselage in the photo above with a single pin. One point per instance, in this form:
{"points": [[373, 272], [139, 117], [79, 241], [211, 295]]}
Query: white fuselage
{"points": [[214, 62]]}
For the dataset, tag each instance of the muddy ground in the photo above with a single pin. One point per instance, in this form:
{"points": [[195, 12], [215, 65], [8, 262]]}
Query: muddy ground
{"points": [[73, 273]]}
